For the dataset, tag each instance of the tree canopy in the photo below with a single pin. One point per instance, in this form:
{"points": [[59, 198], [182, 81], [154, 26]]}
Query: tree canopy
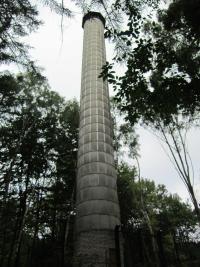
{"points": [[160, 84], [161, 79], [17, 19], [157, 226], [38, 149], [39, 135]]}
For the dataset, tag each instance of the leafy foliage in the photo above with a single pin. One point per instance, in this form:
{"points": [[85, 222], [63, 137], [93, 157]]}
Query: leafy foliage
{"points": [[159, 223], [125, 138], [38, 159], [161, 81], [183, 16], [18, 18], [162, 66]]}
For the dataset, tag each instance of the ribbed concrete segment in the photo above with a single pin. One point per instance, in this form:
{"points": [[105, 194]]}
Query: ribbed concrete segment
{"points": [[96, 200]]}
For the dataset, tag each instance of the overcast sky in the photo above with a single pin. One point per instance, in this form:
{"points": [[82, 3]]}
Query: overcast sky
{"points": [[61, 59]]}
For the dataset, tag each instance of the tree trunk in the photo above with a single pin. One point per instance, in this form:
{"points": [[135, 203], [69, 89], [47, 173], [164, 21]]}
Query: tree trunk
{"points": [[7, 180], [66, 232], [176, 252], [12, 246], [194, 201], [19, 237], [153, 239], [3, 251], [7, 176], [24, 209], [36, 229], [163, 261]]}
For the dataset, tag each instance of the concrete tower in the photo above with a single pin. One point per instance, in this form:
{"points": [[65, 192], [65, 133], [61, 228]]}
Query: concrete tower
{"points": [[96, 199]]}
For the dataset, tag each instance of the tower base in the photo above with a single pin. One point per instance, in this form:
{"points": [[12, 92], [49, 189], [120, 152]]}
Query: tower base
{"points": [[96, 249]]}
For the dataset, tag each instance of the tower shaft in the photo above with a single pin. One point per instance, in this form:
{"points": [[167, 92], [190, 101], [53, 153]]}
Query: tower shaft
{"points": [[96, 200]]}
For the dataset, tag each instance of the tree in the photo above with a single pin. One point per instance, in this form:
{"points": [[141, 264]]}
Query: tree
{"points": [[18, 19], [38, 161], [162, 61], [183, 16], [125, 138], [161, 81], [174, 136], [153, 217]]}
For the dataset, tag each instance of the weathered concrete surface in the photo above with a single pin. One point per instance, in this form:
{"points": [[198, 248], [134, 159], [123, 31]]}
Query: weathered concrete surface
{"points": [[96, 200], [94, 249]]}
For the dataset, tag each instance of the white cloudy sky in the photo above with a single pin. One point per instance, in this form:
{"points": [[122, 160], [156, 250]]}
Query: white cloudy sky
{"points": [[61, 61]]}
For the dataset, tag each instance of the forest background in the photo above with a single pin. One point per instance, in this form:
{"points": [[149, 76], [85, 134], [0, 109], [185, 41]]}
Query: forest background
{"points": [[39, 144]]}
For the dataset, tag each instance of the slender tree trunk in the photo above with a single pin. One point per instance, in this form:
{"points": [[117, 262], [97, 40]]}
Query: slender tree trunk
{"points": [[7, 180], [53, 231], [7, 176], [153, 239], [12, 246], [176, 252], [3, 248], [163, 261], [36, 229], [147, 261], [19, 238], [24, 209], [181, 161], [66, 232], [140, 243], [148, 223], [194, 200]]}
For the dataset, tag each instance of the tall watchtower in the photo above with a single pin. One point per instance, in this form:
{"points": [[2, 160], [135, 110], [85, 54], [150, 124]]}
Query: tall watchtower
{"points": [[96, 200]]}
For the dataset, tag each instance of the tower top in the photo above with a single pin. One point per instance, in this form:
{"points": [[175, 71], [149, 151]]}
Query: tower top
{"points": [[91, 15]]}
